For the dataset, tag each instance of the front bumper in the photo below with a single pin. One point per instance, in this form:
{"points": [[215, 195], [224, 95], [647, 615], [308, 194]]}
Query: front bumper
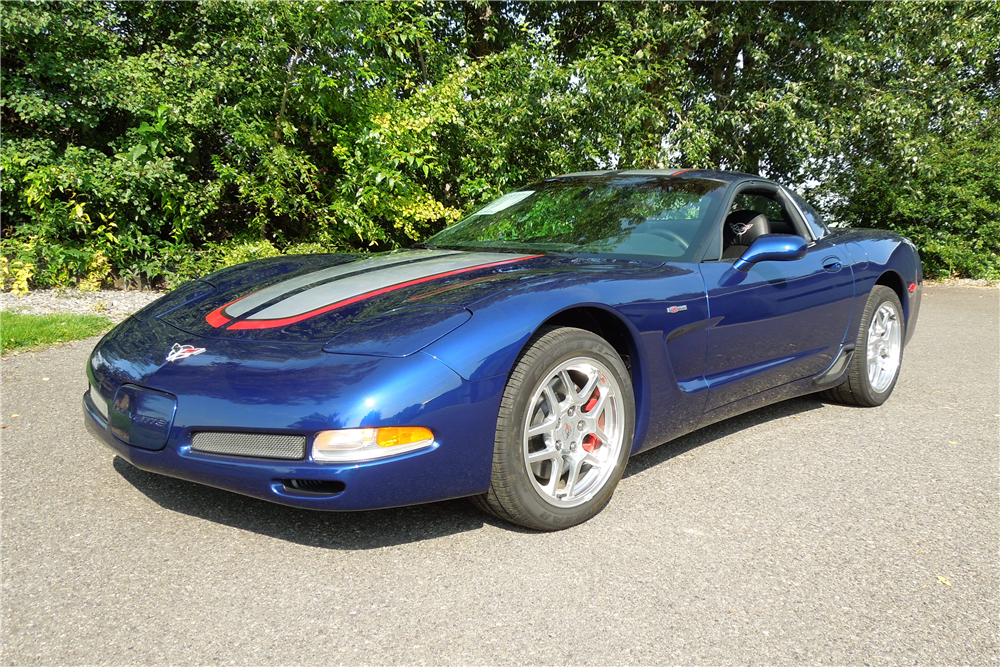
{"points": [[457, 465]]}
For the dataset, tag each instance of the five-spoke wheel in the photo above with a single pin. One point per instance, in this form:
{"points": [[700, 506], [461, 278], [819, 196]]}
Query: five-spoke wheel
{"points": [[564, 432], [573, 431], [878, 352], [885, 346]]}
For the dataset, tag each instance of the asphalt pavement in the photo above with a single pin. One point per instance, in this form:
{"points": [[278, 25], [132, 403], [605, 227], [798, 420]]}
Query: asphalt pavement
{"points": [[802, 533]]}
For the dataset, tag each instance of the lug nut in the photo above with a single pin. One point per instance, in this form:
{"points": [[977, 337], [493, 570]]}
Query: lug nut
{"points": [[582, 425], [571, 411], [572, 446]]}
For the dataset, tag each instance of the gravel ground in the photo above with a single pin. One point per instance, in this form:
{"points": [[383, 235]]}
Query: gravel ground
{"points": [[967, 282], [802, 533], [114, 304]]}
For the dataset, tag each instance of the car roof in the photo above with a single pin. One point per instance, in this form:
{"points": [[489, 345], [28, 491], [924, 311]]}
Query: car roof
{"points": [[717, 175]]}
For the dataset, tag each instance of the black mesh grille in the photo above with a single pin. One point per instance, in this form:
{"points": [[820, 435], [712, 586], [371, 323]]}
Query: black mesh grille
{"points": [[257, 445]]}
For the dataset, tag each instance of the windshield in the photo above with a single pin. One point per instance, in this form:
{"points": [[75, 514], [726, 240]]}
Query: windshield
{"points": [[646, 216]]}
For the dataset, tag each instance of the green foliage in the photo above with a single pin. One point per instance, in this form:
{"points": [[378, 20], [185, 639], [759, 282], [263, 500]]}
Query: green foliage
{"points": [[918, 133], [18, 330], [168, 138], [950, 207]]}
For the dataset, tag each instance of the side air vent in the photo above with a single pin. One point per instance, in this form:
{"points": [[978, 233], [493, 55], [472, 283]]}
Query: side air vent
{"points": [[255, 445]]}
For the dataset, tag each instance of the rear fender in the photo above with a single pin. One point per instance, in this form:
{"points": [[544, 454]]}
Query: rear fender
{"points": [[898, 271]]}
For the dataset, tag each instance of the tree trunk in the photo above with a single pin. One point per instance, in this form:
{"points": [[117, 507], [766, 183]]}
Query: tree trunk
{"points": [[477, 19]]}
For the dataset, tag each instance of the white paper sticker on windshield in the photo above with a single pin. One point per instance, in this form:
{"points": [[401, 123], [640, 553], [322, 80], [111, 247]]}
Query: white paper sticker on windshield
{"points": [[504, 202]]}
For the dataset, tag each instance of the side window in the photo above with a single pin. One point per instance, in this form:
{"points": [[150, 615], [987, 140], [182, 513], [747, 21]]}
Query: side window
{"points": [[760, 201], [780, 221], [813, 219]]}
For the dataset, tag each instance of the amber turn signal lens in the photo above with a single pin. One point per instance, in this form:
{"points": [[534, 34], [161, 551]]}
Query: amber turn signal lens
{"points": [[394, 436], [353, 445]]}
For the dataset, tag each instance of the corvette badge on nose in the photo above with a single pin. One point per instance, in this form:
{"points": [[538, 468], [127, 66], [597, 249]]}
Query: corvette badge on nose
{"points": [[179, 351]]}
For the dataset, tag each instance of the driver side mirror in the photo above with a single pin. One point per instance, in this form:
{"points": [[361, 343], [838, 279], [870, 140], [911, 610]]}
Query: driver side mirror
{"points": [[771, 248]]}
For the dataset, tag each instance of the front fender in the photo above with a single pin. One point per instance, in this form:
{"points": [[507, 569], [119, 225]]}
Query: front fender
{"points": [[664, 312], [489, 343]]}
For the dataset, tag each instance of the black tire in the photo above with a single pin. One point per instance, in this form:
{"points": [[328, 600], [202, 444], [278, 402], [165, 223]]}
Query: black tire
{"points": [[513, 495], [857, 389]]}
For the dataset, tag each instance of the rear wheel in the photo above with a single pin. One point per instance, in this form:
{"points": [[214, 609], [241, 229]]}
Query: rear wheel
{"points": [[878, 352], [564, 432]]}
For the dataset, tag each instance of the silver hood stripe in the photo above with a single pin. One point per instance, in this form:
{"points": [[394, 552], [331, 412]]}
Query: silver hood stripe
{"points": [[355, 285], [250, 302]]}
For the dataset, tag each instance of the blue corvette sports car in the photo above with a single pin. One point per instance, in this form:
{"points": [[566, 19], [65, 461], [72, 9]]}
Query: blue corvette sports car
{"points": [[518, 357]]}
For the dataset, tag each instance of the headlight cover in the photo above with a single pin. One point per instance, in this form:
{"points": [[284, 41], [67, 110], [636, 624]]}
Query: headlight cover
{"points": [[353, 445]]}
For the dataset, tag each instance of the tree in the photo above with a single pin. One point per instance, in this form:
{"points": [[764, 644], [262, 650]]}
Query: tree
{"points": [[164, 139]]}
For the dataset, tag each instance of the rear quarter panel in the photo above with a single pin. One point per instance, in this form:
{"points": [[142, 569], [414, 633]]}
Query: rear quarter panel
{"points": [[881, 257]]}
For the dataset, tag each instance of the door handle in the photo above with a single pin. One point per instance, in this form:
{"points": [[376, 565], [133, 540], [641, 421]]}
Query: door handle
{"points": [[831, 264]]}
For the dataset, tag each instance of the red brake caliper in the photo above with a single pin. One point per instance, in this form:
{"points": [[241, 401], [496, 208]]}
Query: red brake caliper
{"points": [[590, 442]]}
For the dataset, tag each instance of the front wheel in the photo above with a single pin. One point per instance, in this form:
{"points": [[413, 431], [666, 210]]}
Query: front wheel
{"points": [[878, 352], [564, 432]]}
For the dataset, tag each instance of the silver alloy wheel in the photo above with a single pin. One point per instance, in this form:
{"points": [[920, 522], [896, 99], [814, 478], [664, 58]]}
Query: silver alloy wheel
{"points": [[573, 432], [884, 346]]}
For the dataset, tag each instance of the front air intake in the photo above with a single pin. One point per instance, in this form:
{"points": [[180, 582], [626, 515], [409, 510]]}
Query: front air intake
{"points": [[319, 487], [255, 445]]}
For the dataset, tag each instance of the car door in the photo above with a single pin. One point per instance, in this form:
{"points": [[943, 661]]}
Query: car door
{"points": [[780, 321]]}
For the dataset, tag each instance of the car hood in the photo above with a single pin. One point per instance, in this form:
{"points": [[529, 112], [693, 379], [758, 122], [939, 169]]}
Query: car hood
{"points": [[351, 303], [387, 304]]}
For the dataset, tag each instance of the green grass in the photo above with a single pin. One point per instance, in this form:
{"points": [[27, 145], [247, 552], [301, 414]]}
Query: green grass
{"points": [[18, 330]]}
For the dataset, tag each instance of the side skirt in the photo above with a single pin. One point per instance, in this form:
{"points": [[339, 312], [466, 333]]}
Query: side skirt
{"points": [[794, 389]]}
